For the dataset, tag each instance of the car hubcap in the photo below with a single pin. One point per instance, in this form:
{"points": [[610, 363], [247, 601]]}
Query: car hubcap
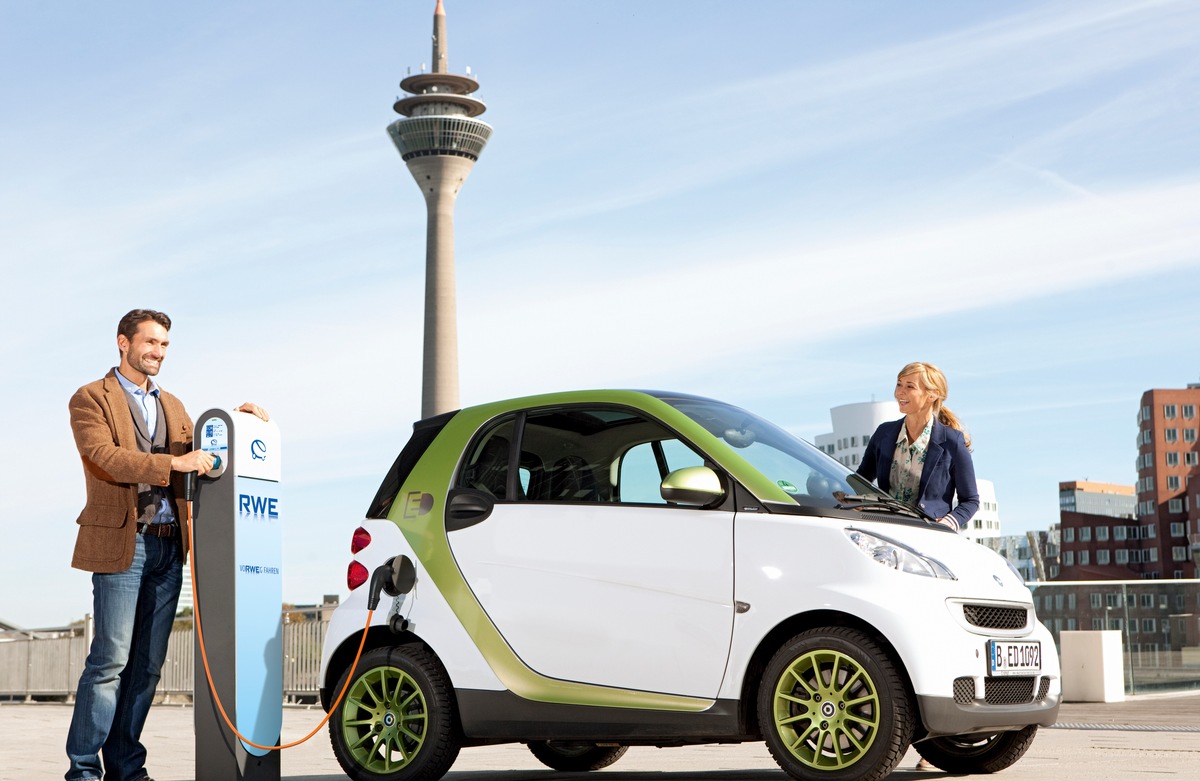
{"points": [[826, 710], [385, 719]]}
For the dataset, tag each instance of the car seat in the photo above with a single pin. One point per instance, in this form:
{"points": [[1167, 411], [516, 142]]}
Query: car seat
{"points": [[571, 480], [490, 471]]}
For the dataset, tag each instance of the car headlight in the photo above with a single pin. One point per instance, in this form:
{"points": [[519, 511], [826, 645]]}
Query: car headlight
{"points": [[897, 555]]}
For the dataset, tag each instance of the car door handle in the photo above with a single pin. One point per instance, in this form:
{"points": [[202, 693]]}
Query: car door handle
{"points": [[467, 507]]}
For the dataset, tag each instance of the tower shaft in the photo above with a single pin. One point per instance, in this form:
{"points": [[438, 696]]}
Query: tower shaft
{"points": [[440, 178]]}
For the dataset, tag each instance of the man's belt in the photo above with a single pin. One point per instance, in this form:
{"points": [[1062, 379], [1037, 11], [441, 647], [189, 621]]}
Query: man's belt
{"points": [[158, 529]]}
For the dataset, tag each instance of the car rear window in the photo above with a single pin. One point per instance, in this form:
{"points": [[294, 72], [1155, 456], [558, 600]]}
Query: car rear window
{"points": [[424, 432]]}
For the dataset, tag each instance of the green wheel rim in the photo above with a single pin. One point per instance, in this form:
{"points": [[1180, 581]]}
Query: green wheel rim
{"points": [[826, 710], [385, 720]]}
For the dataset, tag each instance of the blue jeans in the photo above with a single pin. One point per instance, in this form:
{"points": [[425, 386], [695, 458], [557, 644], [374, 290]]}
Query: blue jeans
{"points": [[134, 611]]}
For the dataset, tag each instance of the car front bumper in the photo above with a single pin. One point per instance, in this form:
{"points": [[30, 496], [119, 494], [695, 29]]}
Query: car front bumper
{"points": [[949, 716]]}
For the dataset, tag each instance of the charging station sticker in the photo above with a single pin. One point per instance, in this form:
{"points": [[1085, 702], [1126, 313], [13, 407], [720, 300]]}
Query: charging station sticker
{"points": [[258, 594], [214, 438]]}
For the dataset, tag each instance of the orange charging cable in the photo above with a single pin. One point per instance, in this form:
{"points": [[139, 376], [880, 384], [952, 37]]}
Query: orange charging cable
{"points": [[208, 673]]}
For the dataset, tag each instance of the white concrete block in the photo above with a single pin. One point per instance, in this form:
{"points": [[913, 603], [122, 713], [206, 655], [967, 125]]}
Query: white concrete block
{"points": [[1092, 666]]}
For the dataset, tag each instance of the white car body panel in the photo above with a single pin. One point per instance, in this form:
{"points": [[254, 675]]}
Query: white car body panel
{"points": [[628, 596], [789, 564], [427, 611]]}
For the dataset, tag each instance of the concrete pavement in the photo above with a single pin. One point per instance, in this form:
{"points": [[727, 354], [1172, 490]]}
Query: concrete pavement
{"points": [[1146, 736]]}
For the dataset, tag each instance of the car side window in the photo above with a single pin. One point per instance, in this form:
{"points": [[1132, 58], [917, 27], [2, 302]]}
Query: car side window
{"points": [[644, 466], [486, 466], [583, 455]]}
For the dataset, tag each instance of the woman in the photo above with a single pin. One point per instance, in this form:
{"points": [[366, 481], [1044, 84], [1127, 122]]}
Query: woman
{"points": [[924, 458]]}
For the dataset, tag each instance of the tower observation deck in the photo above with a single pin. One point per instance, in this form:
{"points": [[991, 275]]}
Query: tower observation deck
{"points": [[440, 119], [439, 140]]}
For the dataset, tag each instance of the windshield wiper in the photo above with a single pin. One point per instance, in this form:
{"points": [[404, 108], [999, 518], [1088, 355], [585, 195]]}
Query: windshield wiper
{"points": [[854, 502]]}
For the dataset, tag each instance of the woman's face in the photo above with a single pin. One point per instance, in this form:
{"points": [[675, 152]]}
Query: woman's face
{"points": [[914, 400]]}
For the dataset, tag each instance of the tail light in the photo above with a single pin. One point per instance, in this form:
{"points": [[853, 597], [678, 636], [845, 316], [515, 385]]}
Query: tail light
{"points": [[360, 540], [356, 575]]}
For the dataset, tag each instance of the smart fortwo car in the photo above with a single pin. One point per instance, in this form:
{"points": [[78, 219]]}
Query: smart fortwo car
{"points": [[587, 571]]}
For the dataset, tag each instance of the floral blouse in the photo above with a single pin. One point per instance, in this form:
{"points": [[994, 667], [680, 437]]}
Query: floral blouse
{"points": [[907, 463]]}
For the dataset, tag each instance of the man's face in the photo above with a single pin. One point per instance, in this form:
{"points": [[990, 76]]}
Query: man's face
{"points": [[146, 351]]}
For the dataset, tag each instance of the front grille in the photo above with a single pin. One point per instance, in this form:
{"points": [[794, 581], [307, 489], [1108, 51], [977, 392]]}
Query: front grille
{"points": [[964, 690], [1009, 691], [1044, 689], [992, 617]]}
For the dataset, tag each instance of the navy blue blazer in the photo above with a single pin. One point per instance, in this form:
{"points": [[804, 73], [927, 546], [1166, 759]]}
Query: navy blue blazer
{"points": [[948, 469]]}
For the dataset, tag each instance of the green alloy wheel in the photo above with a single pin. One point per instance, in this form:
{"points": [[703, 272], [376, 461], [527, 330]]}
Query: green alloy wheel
{"points": [[397, 720], [832, 706], [987, 753], [573, 757]]}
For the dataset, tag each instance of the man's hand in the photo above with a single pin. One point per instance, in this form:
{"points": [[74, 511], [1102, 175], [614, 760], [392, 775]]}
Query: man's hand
{"points": [[255, 410], [196, 461]]}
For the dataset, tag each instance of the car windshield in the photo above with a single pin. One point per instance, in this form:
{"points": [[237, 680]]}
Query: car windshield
{"points": [[805, 473]]}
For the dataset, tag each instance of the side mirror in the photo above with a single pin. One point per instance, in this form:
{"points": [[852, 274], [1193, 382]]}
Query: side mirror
{"points": [[693, 486]]}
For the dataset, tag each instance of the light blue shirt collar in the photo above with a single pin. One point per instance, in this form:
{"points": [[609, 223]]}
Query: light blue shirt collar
{"points": [[130, 387]]}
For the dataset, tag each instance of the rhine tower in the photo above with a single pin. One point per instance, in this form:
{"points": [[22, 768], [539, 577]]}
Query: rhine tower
{"points": [[439, 140]]}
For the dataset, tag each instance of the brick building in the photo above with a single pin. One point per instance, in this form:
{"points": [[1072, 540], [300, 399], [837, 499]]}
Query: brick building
{"points": [[1099, 535], [1168, 486]]}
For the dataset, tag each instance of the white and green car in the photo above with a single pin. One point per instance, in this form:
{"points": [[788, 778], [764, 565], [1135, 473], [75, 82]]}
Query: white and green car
{"points": [[583, 572]]}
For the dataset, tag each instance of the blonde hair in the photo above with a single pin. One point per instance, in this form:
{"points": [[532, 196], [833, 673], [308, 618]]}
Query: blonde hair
{"points": [[932, 379]]}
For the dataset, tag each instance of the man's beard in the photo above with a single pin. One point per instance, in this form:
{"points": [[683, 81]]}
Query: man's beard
{"points": [[139, 364]]}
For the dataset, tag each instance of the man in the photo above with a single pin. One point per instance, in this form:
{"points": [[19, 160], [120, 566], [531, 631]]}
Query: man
{"points": [[135, 441]]}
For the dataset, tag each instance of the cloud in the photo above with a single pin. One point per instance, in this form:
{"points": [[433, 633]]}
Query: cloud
{"points": [[663, 318], [935, 93]]}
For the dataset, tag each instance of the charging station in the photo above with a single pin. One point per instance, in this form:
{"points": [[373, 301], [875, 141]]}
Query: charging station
{"points": [[238, 560]]}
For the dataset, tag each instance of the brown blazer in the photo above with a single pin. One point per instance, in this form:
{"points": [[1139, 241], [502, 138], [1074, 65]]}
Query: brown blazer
{"points": [[112, 468]]}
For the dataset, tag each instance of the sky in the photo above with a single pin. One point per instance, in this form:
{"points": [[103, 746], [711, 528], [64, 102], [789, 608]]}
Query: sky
{"points": [[776, 204]]}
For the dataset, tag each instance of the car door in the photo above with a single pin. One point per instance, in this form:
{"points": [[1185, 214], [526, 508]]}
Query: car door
{"points": [[587, 573]]}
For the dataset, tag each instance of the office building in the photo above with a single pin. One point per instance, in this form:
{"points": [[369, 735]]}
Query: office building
{"points": [[1100, 536], [1168, 485], [1093, 498]]}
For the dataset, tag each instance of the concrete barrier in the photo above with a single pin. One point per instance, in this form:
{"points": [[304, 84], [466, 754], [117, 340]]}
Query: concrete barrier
{"points": [[1092, 666]]}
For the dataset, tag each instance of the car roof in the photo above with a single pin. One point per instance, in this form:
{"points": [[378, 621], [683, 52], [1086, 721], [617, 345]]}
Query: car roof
{"points": [[610, 395]]}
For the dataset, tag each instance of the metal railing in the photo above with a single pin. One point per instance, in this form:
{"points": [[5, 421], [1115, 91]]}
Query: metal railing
{"points": [[49, 668], [1159, 621]]}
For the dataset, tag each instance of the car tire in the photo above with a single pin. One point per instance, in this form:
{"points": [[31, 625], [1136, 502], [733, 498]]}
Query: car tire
{"points": [[833, 706], [397, 721], [984, 753], [575, 757]]}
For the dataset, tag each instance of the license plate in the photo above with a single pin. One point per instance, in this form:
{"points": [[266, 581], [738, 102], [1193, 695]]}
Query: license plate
{"points": [[1014, 657]]}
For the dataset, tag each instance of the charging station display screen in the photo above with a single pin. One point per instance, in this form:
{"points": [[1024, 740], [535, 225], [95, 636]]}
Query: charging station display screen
{"points": [[214, 440]]}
